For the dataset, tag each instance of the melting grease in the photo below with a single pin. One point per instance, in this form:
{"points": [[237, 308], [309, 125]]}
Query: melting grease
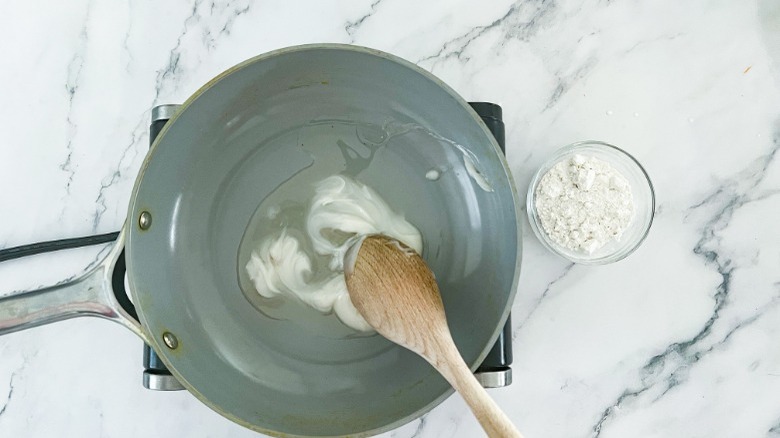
{"points": [[337, 147]]}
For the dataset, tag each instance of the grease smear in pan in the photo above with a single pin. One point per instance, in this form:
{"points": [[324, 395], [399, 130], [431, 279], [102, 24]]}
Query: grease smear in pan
{"points": [[361, 180]]}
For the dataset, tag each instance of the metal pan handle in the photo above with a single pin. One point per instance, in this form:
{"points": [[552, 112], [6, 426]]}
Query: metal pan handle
{"points": [[91, 294]]}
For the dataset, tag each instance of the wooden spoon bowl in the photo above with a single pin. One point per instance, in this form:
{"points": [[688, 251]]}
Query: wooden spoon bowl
{"points": [[396, 292]]}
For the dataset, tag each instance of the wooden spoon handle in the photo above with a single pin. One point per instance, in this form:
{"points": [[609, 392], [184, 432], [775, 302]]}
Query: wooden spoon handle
{"points": [[493, 420]]}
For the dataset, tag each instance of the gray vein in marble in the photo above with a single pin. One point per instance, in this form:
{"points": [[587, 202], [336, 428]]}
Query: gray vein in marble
{"points": [[229, 23], [97, 259], [456, 46], [678, 375], [774, 431], [125, 45], [173, 67], [670, 367], [10, 394], [420, 427], [352, 26], [541, 298], [643, 43], [564, 83], [626, 395], [211, 40], [421, 422], [132, 146], [521, 21], [174, 56], [75, 67], [766, 194]]}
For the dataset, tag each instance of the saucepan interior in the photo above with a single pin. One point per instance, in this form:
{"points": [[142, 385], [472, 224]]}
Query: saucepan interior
{"points": [[238, 139]]}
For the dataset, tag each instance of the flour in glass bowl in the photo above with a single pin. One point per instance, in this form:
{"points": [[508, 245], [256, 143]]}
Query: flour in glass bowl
{"points": [[583, 203]]}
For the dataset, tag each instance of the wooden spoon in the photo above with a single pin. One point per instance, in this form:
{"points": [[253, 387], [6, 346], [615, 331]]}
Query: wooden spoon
{"points": [[395, 291]]}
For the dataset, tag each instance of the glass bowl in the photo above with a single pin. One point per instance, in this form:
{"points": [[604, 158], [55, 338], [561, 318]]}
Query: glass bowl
{"points": [[641, 191]]}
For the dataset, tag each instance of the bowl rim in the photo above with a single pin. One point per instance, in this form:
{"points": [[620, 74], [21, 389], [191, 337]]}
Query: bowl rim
{"points": [[556, 157]]}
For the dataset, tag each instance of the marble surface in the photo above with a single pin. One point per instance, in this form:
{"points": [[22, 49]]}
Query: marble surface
{"points": [[678, 340]]}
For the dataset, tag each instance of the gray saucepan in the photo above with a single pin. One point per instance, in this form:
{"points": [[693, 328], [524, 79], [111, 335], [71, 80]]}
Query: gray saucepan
{"points": [[228, 147]]}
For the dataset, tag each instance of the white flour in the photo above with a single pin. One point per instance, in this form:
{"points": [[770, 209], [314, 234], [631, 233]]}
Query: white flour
{"points": [[583, 203]]}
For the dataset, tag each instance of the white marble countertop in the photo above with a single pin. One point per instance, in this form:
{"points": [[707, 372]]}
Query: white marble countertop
{"points": [[678, 340]]}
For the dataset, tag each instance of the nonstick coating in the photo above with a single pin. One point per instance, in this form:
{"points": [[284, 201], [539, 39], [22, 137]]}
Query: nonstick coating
{"points": [[220, 156]]}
